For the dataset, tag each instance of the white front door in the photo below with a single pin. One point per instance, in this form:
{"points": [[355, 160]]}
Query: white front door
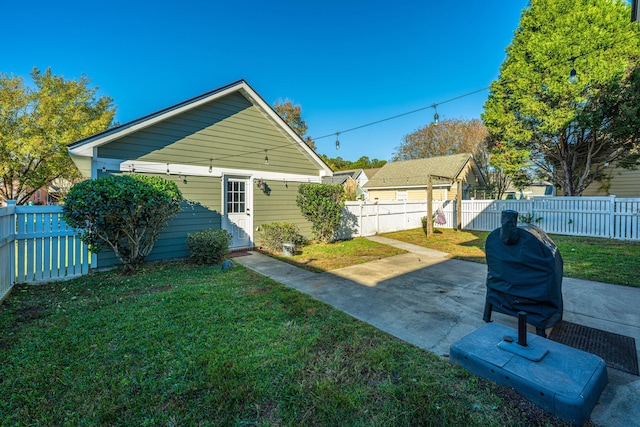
{"points": [[238, 210]]}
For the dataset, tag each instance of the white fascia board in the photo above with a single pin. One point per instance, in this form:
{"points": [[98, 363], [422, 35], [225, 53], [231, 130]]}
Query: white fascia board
{"points": [[191, 170], [407, 187]]}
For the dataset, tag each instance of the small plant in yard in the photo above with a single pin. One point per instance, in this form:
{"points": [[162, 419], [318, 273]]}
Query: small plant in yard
{"points": [[123, 213], [208, 246], [322, 205], [274, 234], [528, 218]]}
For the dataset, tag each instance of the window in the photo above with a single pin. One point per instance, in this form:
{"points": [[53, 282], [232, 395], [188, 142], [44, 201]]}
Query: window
{"points": [[236, 196]]}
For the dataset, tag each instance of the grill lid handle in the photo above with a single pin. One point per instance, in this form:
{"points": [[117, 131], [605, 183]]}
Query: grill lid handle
{"points": [[509, 234]]}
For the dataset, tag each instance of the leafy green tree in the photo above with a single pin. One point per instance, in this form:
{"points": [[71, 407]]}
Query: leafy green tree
{"points": [[570, 131], [292, 115], [322, 205], [340, 164], [507, 166], [123, 213], [37, 123]]}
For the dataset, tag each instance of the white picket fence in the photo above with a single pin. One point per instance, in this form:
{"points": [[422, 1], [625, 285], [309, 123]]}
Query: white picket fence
{"points": [[578, 216], [7, 248], [36, 245]]}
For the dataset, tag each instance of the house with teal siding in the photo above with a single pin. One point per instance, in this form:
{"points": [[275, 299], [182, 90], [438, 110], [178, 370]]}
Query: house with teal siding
{"points": [[237, 163]]}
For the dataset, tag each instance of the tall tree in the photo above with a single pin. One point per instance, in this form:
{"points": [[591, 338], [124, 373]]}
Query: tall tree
{"points": [[292, 115], [570, 129], [37, 123], [451, 136], [508, 167], [340, 164]]}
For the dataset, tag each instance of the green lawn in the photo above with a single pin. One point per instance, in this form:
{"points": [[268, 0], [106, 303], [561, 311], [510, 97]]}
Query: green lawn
{"points": [[180, 345], [602, 260], [320, 257]]}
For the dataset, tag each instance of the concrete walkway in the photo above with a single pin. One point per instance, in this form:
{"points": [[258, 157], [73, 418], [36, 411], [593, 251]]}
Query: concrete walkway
{"points": [[431, 301]]}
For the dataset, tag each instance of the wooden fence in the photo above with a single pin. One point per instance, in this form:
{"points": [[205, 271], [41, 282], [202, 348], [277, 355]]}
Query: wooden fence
{"points": [[36, 245]]}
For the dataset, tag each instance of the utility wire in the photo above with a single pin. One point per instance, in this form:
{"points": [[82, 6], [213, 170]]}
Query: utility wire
{"points": [[404, 114], [434, 105]]}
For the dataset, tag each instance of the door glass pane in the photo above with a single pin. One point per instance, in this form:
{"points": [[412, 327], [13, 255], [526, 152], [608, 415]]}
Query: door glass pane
{"points": [[236, 196]]}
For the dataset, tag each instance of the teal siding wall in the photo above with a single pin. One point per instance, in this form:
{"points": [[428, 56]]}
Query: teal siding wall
{"points": [[278, 206], [231, 131], [200, 210]]}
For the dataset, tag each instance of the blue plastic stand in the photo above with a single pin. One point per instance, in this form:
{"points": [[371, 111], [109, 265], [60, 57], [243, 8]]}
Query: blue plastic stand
{"points": [[562, 380]]}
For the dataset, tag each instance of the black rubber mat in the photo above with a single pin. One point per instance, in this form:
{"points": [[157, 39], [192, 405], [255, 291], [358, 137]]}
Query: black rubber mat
{"points": [[618, 351]]}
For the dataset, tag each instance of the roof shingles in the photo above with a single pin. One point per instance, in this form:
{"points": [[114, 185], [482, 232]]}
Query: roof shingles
{"points": [[443, 169]]}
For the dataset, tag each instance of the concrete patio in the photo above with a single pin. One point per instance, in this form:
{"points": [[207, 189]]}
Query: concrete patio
{"points": [[431, 301]]}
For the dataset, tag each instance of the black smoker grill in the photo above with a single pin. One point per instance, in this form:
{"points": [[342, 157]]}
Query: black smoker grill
{"points": [[524, 274]]}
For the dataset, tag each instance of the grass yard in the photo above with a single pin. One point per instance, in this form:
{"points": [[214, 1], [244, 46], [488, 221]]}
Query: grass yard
{"points": [[318, 257], [590, 258], [178, 344]]}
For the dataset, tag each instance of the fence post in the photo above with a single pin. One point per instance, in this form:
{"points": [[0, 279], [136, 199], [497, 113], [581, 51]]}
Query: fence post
{"points": [[12, 247], [612, 216], [360, 220], [459, 206], [531, 209]]}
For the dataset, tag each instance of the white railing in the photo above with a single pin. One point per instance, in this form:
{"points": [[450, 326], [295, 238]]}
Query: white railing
{"points": [[36, 245], [578, 216]]}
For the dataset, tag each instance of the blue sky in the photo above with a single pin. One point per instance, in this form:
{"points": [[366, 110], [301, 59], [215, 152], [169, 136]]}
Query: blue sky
{"points": [[347, 63]]}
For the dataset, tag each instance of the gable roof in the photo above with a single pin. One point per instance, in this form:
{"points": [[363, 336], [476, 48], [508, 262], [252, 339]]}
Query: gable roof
{"points": [[414, 173], [85, 147], [340, 177], [369, 173], [353, 173]]}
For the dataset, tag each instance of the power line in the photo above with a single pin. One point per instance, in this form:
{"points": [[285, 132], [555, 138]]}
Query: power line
{"points": [[434, 105], [404, 114]]}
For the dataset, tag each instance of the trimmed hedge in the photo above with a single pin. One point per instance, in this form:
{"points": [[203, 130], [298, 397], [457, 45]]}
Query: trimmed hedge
{"points": [[275, 234], [208, 246]]}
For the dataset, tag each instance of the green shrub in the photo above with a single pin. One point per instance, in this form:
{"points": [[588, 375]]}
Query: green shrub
{"points": [[274, 234], [528, 218], [208, 246], [322, 205], [123, 213]]}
